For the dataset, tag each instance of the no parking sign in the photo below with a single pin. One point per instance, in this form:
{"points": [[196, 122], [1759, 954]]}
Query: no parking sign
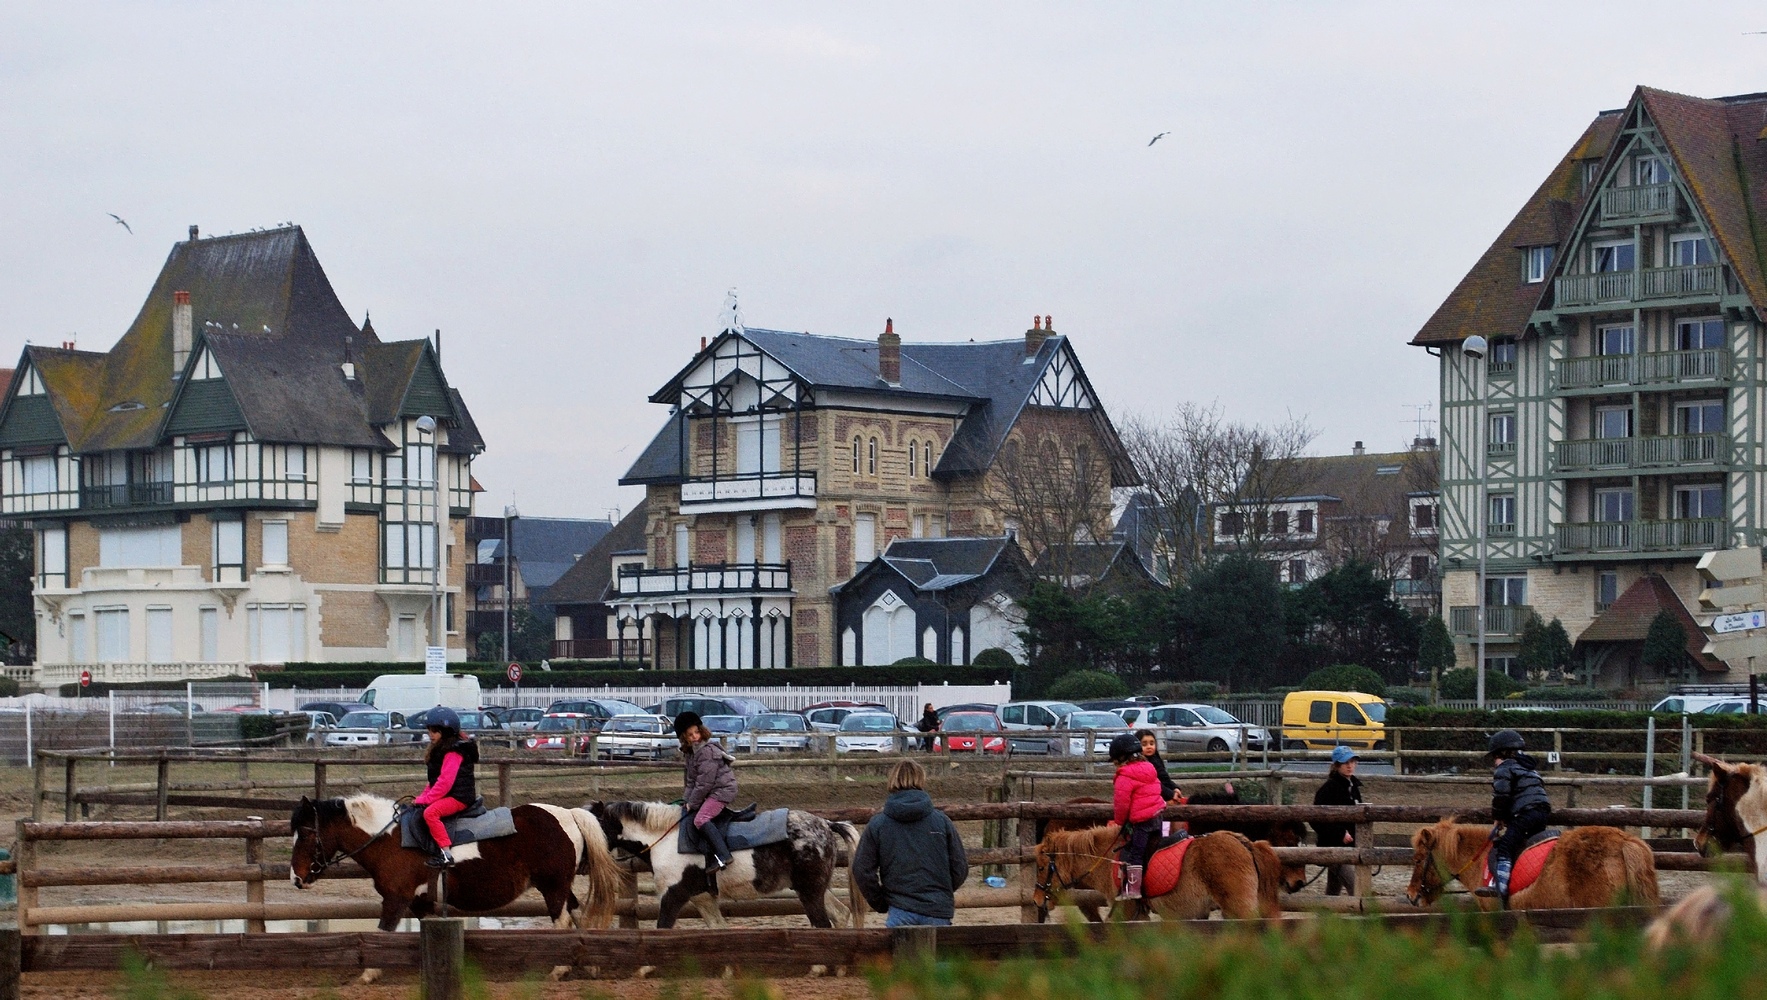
{"points": [[515, 673]]}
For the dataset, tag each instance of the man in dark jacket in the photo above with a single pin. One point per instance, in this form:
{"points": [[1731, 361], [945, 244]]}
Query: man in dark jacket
{"points": [[1518, 801], [910, 860], [929, 724]]}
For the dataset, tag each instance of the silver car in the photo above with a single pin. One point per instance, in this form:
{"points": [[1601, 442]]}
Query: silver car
{"points": [[1194, 728], [1106, 725], [1033, 715], [778, 732], [364, 729]]}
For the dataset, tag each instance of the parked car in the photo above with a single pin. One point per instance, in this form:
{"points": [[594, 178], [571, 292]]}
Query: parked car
{"points": [[338, 709], [1324, 719], [731, 730], [364, 729], [555, 731], [968, 732], [599, 709], [827, 716], [1107, 725], [974, 706], [481, 724], [705, 705], [1732, 706], [634, 736], [780, 731], [318, 723], [1109, 704], [522, 719], [871, 732], [1686, 703], [1033, 715], [1195, 728]]}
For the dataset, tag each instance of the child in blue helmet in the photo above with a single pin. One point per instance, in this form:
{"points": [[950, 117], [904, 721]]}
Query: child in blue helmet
{"points": [[1518, 802], [449, 760]]}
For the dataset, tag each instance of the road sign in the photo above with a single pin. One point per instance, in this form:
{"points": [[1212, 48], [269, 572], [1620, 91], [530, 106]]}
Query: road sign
{"points": [[435, 660], [85, 678], [1738, 648], [1731, 564], [1740, 622], [515, 673]]}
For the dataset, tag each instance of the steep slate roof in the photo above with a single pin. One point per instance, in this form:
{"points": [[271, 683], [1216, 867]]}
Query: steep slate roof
{"points": [[992, 377], [1628, 619], [263, 305], [1717, 147], [547, 547], [1092, 560], [933, 564], [1356, 480], [587, 581]]}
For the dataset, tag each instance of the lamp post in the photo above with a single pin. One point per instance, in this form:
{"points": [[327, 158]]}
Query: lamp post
{"points": [[426, 425], [1475, 348], [509, 514]]}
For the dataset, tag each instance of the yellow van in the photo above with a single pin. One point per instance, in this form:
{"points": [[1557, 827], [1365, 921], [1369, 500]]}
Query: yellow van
{"points": [[1312, 719]]}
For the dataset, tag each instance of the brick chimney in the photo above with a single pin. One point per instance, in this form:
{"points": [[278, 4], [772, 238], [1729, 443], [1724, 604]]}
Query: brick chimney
{"points": [[181, 333], [1042, 328], [1358, 450], [889, 354]]}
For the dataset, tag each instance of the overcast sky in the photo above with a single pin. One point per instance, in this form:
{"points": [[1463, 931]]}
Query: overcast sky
{"points": [[568, 191]]}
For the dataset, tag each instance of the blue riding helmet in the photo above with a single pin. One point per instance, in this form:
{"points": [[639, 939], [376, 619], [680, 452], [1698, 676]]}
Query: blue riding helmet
{"points": [[442, 718]]}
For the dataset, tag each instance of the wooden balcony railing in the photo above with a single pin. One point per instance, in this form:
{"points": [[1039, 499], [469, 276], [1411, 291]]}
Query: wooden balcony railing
{"points": [[1664, 368], [1604, 288], [714, 578], [1500, 619], [1643, 536], [1639, 203], [1642, 452]]}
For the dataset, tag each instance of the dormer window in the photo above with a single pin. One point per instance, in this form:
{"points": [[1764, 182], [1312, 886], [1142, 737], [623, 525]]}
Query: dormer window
{"points": [[33, 384], [1539, 263], [205, 367], [1687, 251]]}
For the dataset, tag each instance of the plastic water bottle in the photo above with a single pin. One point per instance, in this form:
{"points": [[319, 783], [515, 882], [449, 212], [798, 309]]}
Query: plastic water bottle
{"points": [[994, 882]]}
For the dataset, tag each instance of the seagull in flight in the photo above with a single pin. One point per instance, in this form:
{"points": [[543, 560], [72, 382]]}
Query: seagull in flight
{"points": [[120, 222], [1150, 142]]}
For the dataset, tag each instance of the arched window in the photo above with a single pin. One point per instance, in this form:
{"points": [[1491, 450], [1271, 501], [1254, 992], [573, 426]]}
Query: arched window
{"points": [[913, 459], [871, 457], [856, 440], [926, 456]]}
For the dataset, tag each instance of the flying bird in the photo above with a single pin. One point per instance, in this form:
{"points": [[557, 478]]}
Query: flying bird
{"points": [[120, 222], [1157, 138]]}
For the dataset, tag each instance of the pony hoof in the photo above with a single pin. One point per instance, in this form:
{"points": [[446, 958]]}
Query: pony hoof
{"points": [[818, 971], [644, 972], [558, 973], [368, 977]]}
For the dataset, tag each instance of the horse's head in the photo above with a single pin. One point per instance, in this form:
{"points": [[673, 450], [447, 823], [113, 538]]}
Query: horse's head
{"points": [[1736, 804], [1291, 874], [313, 847], [1065, 859], [1429, 873]]}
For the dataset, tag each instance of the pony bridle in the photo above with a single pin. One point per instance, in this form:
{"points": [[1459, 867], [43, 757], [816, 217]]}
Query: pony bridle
{"points": [[1054, 882], [323, 859]]}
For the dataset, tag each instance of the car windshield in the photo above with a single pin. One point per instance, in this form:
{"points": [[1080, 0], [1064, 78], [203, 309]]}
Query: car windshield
{"points": [[625, 725], [857, 723], [364, 720], [555, 723], [725, 723], [1723, 708], [1094, 720], [1061, 708], [614, 706], [1377, 711], [975, 722], [1215, 716], [780, 723]]}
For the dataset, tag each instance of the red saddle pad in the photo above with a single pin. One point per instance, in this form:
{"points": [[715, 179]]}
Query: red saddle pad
{"points": [[1527, 867], [1163, 869]]}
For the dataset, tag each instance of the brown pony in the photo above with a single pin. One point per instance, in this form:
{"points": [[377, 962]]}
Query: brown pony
{"points": [[1222, 870], [1736, 811], [1592, 866]]}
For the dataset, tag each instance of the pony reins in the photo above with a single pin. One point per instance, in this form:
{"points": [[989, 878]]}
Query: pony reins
{"points": [[323, 859]]}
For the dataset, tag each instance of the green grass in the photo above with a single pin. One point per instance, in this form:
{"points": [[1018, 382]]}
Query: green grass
{"points": [[1339, 959]]}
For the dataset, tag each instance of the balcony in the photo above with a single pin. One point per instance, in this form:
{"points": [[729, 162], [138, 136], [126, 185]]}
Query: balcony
{"points": [[1693, 534], [1605, 289], [709, 579], [749, 491], [1708, 364], [125, 495], [484, 574], [601, 649], [1501, 620], [1642, 452], [1643, 203], [1424, 587]]}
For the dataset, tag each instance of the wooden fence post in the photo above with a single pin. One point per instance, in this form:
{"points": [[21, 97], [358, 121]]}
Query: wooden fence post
{"points": [[67, 794], [503, 783], [1398, 751], [834, 771], [11, 962], [24, 860], [1364, 872], [914, 944], [1027, 869], [254, 891], [318, 779], [1558, 749], [441, 950], [163, 782], [37, 787]]}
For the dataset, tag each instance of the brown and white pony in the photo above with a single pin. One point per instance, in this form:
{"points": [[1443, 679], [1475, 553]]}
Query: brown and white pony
{"points": [[1591, 866], [550, 847], [1736, 812], [1222, 871]]}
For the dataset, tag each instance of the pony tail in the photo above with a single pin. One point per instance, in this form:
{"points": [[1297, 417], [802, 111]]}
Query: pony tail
{"points": [[606, 878]]}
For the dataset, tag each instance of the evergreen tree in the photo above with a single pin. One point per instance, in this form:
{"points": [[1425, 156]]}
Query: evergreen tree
{"points": [[1435, 648], [1665, 645], [1229, 622]]}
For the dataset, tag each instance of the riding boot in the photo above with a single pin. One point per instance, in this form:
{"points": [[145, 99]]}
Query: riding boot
{"points": [[1500, 869], [1131, 883], [444, 859], [720, 857]]}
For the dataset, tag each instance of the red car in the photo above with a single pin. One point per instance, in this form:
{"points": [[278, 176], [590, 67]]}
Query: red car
{"points": [[962, 731]]}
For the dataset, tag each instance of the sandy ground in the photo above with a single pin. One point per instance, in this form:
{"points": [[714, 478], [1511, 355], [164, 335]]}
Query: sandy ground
{"points": [[809, 789]]}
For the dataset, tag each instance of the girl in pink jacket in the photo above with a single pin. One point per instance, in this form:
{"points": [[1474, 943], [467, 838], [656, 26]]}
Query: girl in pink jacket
{"points": [[1138, 804]]}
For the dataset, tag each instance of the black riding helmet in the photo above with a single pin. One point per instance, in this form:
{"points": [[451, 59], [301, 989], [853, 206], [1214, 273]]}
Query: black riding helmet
{"points": [[1504, 740], [445, 719], [686, 721], [1124, 746]]}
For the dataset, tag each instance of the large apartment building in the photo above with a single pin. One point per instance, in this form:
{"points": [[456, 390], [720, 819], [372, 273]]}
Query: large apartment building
{"points": [[246, 477], [1623, 390], [790, 461]]}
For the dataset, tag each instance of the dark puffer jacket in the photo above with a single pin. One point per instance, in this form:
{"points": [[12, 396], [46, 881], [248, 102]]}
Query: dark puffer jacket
{"points": [[910, 857], [1338, 790], [1515, 786]]}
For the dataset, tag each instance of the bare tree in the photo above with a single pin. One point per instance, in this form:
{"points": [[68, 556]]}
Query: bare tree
{"points": [[1208, 476], [1054, 491]]}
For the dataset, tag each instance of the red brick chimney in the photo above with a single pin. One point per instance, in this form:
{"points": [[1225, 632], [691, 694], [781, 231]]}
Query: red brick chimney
{"points": [[889, 354], [1042, 328]]}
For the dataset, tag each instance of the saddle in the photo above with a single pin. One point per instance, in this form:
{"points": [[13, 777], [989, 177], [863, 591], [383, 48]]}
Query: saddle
{"points": [[470, 825], [1528, 864], [1165, 863], [744, 829]]}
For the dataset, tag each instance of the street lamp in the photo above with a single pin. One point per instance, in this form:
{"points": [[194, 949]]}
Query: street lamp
{"points": [[1475, 348], [426, 425], [509, 514]]}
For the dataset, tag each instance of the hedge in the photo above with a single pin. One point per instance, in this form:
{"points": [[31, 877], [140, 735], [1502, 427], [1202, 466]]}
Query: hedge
{"points": [[346, 675], [98, 689], [1724, 734]]}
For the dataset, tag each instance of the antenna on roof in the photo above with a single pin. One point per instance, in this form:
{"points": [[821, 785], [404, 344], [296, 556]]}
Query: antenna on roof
{"points": [[1420, 416], [731, 317]]}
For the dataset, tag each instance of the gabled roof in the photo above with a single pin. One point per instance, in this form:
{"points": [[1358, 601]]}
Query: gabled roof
{"points": [[1628, 619], [1717, 148], [587, 581], [1358, 482], [1091, 562], [547, 547], [262, 305], [935, 564]]}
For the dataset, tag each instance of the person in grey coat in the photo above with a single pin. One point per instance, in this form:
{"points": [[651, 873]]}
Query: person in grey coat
{"points": [[910, 860], [709, 784]]}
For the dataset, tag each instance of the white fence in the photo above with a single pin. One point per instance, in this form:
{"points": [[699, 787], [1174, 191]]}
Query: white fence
{"points": [[203, 713]]}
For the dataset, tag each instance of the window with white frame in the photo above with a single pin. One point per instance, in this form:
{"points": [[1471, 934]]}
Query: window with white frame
{"points": [[935, 526], [1502, 431], [158, 545], [52, 558], [1613, 422], [1613, 257], [112, 626], [277, 632], [205, 367], [1704, 416], [772, 547], [1506, 591], [913, 460], [917, 527], [361, 467], [757, 446], [1702, 501], [864, 539], [683, 552], [209, 634], [33, 384], [858, 443], [159, 635], [1614, 340], [1699, 334], [1502, 359], [214, 462], [275, 543], [1687, 251], [294, 462], [1607, 589], [408, 511], [871, 457], [926, 458], [229, 551], [37, 474], [1649, 170], [1502, 516], [1539, 263], [1613, 504]]}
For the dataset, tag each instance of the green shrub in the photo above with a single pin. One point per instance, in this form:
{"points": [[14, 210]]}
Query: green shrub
{"points": [[8, 687], [913, 661], [1345, 677], [1185, 691], [1407, 696], [994, 656], [1463, 682], [98, 689], [1084, 685]]}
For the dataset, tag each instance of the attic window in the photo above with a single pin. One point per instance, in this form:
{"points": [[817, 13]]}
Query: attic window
{"points": [[33, 384], [1539, 264], [1386, 470], [205, 367], [125, 407]]}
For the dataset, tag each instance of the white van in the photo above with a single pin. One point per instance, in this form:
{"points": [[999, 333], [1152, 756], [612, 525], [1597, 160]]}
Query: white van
{"points": [[408, 694], [1688, 703]]}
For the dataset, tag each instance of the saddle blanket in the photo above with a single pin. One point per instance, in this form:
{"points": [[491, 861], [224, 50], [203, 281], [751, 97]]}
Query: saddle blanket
{"points": [[1163, 868], [463, 828], [765, 828], [1528, 866]]}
